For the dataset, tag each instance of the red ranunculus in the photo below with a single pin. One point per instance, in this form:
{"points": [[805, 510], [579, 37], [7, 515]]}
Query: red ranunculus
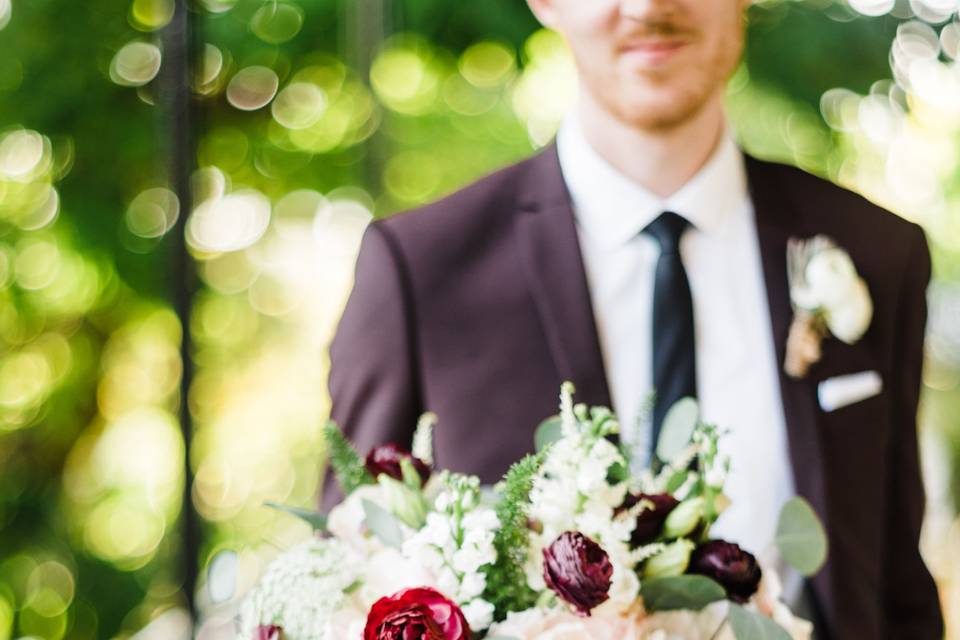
{"points": [[386, 459], [416, 614], [269, 632], [736, 570], [650, 521], [578, 570]]}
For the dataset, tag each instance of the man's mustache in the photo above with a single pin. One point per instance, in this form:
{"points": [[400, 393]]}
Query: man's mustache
{"points": [[662, 27]]}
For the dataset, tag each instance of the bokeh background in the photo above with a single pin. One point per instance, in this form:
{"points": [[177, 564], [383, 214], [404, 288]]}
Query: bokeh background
{"points": [[180, 211]]}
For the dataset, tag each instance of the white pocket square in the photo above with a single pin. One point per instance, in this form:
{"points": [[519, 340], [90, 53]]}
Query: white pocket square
{"points": [[841, 391]]}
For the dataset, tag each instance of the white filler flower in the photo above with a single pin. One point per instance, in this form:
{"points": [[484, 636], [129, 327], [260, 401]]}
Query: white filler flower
{"points": [[301, 590]]}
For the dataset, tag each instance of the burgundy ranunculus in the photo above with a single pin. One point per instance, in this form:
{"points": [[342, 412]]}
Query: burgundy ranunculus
{"points": [[650, 521], [578, 570], [733, 568], [416, 614], [269, 632], [386, 459]]}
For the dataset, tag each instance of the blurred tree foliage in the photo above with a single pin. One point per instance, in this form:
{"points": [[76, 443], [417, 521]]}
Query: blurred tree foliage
{"points": [[296, 148]]}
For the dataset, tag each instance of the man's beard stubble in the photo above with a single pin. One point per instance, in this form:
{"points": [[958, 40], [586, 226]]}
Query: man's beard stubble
{"points": [[687, 101]]}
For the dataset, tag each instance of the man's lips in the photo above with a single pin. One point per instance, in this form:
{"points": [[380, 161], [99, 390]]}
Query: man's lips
{"points": [[654, 51]]}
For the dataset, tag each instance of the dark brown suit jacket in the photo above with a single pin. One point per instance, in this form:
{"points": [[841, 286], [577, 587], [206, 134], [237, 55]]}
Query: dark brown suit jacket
{"points": [[476, 307]]}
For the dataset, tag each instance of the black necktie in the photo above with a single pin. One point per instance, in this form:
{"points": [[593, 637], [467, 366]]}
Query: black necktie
{"points": [[674, 364]]}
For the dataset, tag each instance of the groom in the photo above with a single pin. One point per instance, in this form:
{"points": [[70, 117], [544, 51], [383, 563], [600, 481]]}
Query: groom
{"points": [[644, 250]]}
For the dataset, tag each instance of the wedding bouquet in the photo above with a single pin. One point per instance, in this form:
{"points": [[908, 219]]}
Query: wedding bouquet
{"points": [[568, 545]]}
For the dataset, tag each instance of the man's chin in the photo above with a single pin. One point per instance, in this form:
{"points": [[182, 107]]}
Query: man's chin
{"points": [[659, 114]]}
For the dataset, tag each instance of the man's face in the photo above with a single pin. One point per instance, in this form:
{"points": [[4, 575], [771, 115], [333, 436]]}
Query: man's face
{"points": [[652, 64]]}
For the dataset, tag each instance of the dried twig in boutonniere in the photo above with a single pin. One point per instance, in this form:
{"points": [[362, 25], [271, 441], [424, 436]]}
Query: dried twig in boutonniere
{"points": [[828, 296]]}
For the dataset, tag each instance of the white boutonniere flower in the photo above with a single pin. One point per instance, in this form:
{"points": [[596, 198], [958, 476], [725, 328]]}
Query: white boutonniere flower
{"points": [[828, 296]]}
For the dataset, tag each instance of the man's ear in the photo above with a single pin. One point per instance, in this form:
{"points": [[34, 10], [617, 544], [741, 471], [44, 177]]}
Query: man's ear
{"points": [[544, 11]]}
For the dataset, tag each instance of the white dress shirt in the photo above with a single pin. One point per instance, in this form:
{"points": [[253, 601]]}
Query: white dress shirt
{"points": [[737, 379]]}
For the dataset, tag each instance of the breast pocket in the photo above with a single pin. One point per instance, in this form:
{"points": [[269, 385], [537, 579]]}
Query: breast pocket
{"points": [[841, 391], [853, 409]]}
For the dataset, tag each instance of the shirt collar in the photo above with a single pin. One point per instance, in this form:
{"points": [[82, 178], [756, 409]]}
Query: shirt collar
{"points": [[613, 209]]}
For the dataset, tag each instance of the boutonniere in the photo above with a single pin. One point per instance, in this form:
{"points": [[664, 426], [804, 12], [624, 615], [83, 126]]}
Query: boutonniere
{"points": [[828, 297]]}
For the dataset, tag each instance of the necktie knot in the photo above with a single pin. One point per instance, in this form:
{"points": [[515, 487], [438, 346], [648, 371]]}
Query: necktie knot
{"points": [[667, 230]]}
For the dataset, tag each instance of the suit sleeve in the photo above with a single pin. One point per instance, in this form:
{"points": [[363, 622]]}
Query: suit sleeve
{"points": [[373, 382], [911, 601]]}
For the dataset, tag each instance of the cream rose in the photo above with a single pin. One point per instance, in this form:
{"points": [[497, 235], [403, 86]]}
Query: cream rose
{"points": [[849, 319], [830, 275], [560, 624]]}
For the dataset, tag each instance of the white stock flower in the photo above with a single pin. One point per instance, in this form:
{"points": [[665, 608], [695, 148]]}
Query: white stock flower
{"points": [[572, 491], [471, 585], [479, 613], [481, 521], [595, 521], [389, 571], [448, 583], [472, 556], [456, 543], [591, 470], [437, 532], [554, 498]]}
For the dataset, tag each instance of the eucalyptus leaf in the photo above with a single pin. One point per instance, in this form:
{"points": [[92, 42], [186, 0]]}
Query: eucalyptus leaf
{"points": [[747, 625], [800, 537], [680, 592], [314, 518], [548, 432], [678, 427], [383, 524]]}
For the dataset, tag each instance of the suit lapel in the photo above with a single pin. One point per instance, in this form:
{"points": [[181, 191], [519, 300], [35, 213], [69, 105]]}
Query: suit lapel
{"points": [[553, 266], [776, 222]]}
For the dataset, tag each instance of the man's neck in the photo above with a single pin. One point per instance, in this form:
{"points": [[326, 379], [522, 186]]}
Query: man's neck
{"points": [[661, 161]]}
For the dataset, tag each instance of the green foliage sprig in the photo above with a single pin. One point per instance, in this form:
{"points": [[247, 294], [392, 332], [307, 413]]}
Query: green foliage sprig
{"points": [[346, 462], [507, 586]]}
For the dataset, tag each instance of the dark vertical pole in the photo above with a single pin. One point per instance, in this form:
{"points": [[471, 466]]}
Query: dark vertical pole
{"points": [[177, 103]]}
